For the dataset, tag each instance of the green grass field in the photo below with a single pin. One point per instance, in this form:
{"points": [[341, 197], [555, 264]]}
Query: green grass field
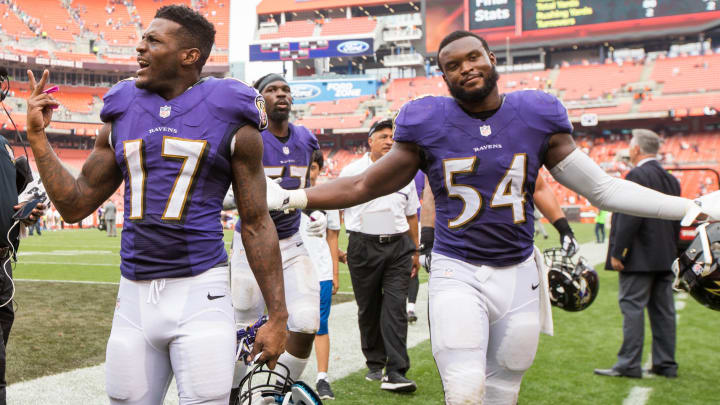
{"points": [[63, 326]]}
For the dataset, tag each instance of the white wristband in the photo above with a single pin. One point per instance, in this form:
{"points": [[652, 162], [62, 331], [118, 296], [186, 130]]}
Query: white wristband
{"points": [[298, 199]]}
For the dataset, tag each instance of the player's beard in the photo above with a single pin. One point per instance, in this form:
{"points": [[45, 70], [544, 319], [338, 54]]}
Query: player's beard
{"points": [[476, 96], [277, 116]]}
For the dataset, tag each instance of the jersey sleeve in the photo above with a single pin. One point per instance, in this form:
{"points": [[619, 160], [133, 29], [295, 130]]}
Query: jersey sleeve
{"points": [[552, 114], [333, 220], [117, 100], [413, 201], [417, 119], [236, 102]]}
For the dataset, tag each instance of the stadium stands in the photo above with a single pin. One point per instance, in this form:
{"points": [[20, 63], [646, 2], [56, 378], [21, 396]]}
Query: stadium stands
{"points": [[687, 74], [55, 21], [12, 25], [111, 23], [596, 81]]}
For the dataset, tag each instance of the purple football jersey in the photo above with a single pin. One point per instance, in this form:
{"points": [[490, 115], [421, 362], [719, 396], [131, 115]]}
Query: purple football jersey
{"points": [[290, 161], [175, 159], [482, 172]]}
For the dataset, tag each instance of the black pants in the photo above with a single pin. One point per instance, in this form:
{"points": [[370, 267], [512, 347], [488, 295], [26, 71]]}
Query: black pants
{"points": [[7, 315], [651, 290], [380, 274]]}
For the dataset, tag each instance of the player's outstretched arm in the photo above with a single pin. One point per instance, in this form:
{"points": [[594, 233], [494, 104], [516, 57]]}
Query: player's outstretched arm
{"points": [[260, 240], [389, 174], [74, 198], [576, 171]]}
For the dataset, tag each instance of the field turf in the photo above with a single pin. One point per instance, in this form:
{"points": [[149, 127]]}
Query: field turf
{"points": [[63, 326]]}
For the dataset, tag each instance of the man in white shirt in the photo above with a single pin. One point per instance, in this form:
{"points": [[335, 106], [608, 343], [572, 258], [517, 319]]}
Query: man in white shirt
{"points": [[319, 231], [382, 255]]}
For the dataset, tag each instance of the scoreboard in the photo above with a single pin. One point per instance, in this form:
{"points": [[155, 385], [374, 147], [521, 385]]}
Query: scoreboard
{"points": [[484, 14], [541, 14], [500, 20]]}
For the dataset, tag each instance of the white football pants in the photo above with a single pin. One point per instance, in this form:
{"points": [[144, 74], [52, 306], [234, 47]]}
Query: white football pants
{"points": [[183, 326], [484, 328], [302, 288]]}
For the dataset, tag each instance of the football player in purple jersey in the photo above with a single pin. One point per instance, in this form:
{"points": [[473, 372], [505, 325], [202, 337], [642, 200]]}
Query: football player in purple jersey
{"points": [[481, 151], [177, 141], [287, 156]]}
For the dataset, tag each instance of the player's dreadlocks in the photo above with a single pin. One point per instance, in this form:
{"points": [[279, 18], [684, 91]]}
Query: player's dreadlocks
{"points": [[454, 36], [197, 31]]}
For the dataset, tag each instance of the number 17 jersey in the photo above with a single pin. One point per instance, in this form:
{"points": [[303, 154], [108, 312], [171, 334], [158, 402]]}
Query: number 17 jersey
{"points": [[482, 172], [175, 159]]}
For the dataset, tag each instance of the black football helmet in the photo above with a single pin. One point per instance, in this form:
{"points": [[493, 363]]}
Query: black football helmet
{"points": [[696, 270], [262, 386], [573, 286]]}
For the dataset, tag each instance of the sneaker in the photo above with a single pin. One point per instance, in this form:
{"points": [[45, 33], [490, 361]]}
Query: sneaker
{"points": [[412, 318], [374, 375], [323, 389], [396, 382]]}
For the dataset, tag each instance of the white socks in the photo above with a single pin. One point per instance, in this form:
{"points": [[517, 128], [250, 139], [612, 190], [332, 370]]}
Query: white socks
{"points": [[322, 376], [295, 365], [410, 306]]}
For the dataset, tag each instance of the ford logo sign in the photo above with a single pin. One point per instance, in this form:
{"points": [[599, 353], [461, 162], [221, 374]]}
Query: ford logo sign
{"points": [[304, 91], [352, 47]]}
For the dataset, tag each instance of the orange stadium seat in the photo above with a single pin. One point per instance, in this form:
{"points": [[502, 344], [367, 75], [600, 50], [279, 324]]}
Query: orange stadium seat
{"points": [[345, 26], [523, 80], [292, 29], [681, 102], [687, 74], [335, 122], [79, 57], [122, 31], [12, 25], [595, 81], [218, 13], [55, 20], [623, 108], [407, 89]]}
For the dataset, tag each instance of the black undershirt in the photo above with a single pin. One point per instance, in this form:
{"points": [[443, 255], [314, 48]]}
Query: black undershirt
{"points": [[484, 115], [282, 139]]}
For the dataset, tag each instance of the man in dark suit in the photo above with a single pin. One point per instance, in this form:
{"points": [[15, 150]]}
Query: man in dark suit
{"points": [[642, 251]]}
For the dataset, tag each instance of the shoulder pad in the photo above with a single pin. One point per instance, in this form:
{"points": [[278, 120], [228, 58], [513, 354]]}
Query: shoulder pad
{"points": [[117, 100], [543, 109], [234, 101], [308, 137], [419, 117]]}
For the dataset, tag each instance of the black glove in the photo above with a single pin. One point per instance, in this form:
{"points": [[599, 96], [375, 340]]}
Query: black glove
{"points": [[427, 240], [567, 238]]}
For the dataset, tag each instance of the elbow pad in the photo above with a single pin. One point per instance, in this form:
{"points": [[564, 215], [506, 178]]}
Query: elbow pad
{"points": [[581, 174]]}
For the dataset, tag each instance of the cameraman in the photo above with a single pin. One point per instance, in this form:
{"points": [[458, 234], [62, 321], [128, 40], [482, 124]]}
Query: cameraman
{"points": [[12, 182]]}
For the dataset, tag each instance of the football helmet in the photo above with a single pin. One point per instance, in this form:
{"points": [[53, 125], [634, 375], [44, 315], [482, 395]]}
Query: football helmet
{"points": [[264, 386], [696, 270], [573, 286]]}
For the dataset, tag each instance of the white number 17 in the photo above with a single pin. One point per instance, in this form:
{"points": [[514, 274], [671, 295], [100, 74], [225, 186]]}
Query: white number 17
{"points": [[191, 152]]}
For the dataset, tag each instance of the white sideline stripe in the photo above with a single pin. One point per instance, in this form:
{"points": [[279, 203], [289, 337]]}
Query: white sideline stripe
{"points": [[70, 263], [638, 396], [32, 280], [87, 385]]}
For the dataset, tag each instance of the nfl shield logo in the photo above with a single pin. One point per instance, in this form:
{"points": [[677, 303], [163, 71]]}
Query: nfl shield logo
{"points": [[286, 150], [485, 130], [165, 111]]}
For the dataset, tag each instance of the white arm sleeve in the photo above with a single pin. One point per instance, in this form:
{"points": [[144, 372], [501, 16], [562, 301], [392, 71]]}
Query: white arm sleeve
{"points": [[581, 174]]}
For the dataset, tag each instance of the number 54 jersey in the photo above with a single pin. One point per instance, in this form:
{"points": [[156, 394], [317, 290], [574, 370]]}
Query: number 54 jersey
{"points": [[175, 160], [482, 172]]}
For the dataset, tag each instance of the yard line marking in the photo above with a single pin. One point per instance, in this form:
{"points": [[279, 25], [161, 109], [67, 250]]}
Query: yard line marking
{"points": [[74, 252], [67, 281], [638, 396], [70, 263]]}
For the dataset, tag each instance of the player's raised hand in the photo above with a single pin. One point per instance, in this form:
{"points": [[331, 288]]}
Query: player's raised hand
{"points": [[269, 343], [40, 104], [706, 206]]}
